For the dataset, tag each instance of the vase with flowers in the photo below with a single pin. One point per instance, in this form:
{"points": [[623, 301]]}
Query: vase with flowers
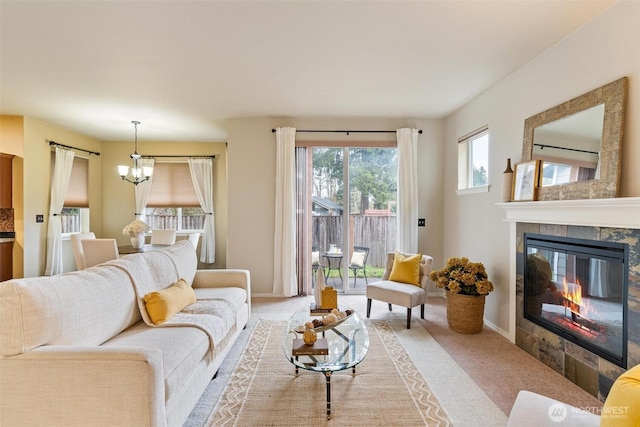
{"points": [[467, 285], [135, 230]]}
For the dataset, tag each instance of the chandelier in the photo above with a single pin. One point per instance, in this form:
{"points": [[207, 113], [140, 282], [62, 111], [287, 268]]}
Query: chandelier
{"points": [[136, 174]]}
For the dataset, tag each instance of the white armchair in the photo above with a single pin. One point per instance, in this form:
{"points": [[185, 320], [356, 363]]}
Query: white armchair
{"points": [[400, 293]]}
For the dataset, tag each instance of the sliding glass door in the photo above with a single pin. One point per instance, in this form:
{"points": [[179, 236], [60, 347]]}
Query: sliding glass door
{"points": [[351, 213]]}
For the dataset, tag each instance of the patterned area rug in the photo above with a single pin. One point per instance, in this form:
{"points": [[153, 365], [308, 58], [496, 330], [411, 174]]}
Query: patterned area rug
{"points": [[386, 390]]}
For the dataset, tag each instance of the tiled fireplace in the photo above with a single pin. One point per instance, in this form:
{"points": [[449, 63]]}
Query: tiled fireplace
{"points": [[613, 223]]}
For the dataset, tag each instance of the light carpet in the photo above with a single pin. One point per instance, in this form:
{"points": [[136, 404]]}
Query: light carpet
{"points": [[387, 388]]}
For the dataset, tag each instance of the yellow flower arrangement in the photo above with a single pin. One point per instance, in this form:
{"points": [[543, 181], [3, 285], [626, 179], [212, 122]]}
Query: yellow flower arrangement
{"points": [[135, 228], [462, 277]]}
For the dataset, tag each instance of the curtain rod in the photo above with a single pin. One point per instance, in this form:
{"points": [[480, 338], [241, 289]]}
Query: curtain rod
{"points": [[543, 146], [73, 148], [151, 156], [347, 131]]}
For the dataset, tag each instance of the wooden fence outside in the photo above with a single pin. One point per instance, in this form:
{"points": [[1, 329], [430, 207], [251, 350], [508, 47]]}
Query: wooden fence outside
{"points": [[378, 233], [170, 222]]}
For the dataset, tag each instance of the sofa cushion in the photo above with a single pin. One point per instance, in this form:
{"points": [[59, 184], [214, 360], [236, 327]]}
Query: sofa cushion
{"points": [[183, 348], [55, 310], [184, 257], [161, 305], [406, 269], [157, 270], [396, 293], [236, 296], [533, 409]]}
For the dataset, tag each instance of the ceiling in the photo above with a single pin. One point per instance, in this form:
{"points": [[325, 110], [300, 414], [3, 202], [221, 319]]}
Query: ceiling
{"points": [[182, 67]]}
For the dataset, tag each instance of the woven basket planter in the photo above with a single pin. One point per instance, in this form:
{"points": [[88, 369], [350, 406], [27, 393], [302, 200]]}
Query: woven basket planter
{"points": [[465, 313]]}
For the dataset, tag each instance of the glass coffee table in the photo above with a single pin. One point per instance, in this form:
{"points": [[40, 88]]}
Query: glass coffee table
{"points": [[347, 339]]}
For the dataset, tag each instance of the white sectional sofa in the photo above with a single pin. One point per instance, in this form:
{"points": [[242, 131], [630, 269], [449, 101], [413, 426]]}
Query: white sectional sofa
{"points": [[79, 349]]}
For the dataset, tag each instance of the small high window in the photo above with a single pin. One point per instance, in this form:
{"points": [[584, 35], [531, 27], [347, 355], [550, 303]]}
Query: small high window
{"points": [[473, 161]]}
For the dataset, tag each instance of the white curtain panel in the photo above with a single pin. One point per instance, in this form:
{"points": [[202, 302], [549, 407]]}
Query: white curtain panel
{"points": [[202, 178], [59, 185], [143, 190], [407, 214], [284, 248]]}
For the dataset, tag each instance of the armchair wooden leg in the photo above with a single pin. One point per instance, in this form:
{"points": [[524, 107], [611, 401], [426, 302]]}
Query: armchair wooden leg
{"points": [[389, 307], [422, 311], [409, 318], [368, 307]]}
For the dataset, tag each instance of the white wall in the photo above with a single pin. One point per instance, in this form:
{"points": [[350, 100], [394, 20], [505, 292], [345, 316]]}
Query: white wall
{"points": [[252, 158], [598, 53], [37, 184]]}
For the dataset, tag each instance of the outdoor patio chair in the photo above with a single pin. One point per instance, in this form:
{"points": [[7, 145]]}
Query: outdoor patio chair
{"points": [[359, 262]]}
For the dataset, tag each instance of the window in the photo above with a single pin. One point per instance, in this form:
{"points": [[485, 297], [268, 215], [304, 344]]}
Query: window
{"points": [[473, 161], [75, 213], [555, 173], [173, 204]]}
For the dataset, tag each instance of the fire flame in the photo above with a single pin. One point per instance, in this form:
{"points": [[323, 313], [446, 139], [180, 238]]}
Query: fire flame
{"points": [[574, 295], [573, 299]]}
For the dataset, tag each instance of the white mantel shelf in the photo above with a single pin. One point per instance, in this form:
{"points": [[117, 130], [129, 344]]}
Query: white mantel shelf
{"points": [[620, 212]]}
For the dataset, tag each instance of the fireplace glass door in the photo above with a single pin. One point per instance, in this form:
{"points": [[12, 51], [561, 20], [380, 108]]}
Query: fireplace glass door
{"points": [[577, 289]]}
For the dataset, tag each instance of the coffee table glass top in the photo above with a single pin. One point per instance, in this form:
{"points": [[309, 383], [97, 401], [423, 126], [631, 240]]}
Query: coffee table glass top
{"points": [[348, 342]]}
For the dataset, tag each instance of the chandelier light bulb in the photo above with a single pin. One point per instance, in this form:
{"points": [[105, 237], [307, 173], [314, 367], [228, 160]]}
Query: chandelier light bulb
{"points": [[136, 173]]}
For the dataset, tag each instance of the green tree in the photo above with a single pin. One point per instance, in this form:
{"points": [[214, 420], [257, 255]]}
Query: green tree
{"points": [[373, 176], [327, 174], [479, 176]]}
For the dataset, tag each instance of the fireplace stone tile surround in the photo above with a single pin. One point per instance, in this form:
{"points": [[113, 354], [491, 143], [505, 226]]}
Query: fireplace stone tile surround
{"points": [[613, 220]]}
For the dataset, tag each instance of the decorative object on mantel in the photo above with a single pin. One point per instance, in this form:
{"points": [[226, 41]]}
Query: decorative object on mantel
{"points": [[138, 173], [467, 285], [135, 230], [507, 183], [527, 177]]}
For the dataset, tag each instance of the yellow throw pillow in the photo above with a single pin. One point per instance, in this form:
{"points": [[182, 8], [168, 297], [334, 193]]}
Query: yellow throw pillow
{"points": [[622, 406], [161, 305], [406, 269]]}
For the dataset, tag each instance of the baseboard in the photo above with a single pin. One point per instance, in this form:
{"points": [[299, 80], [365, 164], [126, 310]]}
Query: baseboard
{"points": [[267, 295], [497, 329], [489, 324], [436, 294]]}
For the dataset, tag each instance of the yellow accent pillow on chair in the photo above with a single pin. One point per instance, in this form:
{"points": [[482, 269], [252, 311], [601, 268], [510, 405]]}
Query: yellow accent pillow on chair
{"points": [[406, 269], [161, 305]]}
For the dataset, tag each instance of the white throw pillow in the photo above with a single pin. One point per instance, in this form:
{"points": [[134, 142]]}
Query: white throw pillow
{"points": [[315, 258], [357, 259]]}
